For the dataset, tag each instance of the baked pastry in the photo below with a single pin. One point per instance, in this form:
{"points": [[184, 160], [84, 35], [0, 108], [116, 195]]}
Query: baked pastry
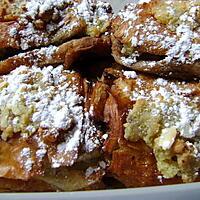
{"points": [[60, 149], [67, 53], [10, 10], [41, 23], [48, 137], [154, 129], [66, 130], [159, 37]]}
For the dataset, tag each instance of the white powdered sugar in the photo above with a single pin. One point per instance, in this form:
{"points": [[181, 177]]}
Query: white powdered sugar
{"points": [[183, 46], [42, 148], [38, 56], [101, 12], [47, 51], [38, 7], [91, 139], [172, 101], [44, 22], [30, 35], [46, 94], [93, 12], [12, 32], [35, 101], [143, 1], [26, 159], [92, 170], [56, 163], [128, 14], [40, 153], [130, 74], [178, 41], [127, 61], [165, 115], [85, 134], [83, 9]]}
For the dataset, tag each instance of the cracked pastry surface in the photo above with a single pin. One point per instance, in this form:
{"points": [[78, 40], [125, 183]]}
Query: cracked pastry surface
{"points": [[54, 124], [10, 10], [66, 53], [159, 36], [45, 22], [45, 127], [165, 114]]}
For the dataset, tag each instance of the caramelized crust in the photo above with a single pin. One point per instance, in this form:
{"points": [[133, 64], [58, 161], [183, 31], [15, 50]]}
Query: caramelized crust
{"points": [[42, 23], [134, 165], [128, 91], [10, 10], [98, 100], [112, 116], [131, 163], [159, 37], [48, 150], [66, 53]]}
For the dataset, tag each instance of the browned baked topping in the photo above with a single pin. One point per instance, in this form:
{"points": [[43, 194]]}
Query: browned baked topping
{"points": [[53, 22], [158, 36]]}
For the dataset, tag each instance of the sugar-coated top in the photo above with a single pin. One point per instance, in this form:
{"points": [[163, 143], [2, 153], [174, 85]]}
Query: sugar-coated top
{"points": [[45, 21], [174, 101], [169, 28], [46, 101], [44, 96], [166, 115]]}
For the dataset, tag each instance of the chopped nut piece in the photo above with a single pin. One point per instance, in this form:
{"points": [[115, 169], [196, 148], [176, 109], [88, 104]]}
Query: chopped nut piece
{"points": [[167, 138]]}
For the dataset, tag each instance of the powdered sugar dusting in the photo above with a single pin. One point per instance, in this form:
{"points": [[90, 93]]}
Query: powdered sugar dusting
{"points": [[46, 21], [128, 15], [178, 41], [26, 159], [43, 93], [38, 7], [46, 102], [92, 170], [56, 162], [91, 138], [143, 1], [165, 115], [39, 56], [42, 148], [47, 51], [174, 102], [86, 134], [130, 74]]}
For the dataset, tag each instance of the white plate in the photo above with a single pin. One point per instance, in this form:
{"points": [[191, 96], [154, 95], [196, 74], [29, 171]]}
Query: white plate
{"points": [[190, 191], [173, 192]]}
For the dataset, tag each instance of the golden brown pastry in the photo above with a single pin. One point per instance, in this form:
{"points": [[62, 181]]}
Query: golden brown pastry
{"points": [[46, 22], [48, 136], [66, 53], [64, 130], [159, 37], [10, 10], [154, 129]]}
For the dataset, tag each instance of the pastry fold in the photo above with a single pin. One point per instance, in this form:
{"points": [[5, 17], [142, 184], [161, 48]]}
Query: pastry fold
{"points": [[154, 129], [41, 23], [67, 54], [49, 137], [159, 37]]}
